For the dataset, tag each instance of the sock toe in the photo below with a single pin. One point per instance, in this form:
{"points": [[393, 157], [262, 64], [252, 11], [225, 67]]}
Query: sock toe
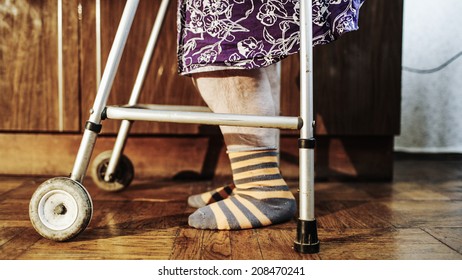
{"points": [[203, 218]]}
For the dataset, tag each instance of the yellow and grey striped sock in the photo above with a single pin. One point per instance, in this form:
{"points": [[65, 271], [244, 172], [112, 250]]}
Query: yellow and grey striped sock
{"points": [[205, 198], [261, 196]]}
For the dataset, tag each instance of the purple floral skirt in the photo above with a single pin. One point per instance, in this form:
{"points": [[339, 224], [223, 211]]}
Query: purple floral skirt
{"points": [[246, 34]]}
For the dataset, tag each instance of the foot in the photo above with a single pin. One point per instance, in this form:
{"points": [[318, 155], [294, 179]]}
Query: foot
{"points": [[203, 199], [261, 196], [241, 212]]}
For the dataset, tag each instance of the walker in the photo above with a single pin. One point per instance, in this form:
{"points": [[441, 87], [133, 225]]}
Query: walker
{"points": [[61, 207]]}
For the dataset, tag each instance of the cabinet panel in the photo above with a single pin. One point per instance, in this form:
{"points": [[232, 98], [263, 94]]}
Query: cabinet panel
{"points": [[357, 79], [31, 97], [162, 85]]}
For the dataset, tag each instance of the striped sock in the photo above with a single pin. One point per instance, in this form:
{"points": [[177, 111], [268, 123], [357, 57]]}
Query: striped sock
{"points": [[261, 196], [203, 199]]}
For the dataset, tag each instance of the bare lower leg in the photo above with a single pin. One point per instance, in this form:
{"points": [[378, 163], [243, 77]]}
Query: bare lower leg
{"points": [[227, 92], [261, 196], [252, 92]]}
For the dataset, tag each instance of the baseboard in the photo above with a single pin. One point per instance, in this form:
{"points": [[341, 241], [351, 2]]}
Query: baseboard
{"points": [[201, 157]]}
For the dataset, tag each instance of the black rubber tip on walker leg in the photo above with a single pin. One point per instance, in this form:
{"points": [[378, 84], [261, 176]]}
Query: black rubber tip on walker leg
{"points": [[307, 237]]}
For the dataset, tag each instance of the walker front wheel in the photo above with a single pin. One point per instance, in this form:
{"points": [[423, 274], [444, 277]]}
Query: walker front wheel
{"points": [[60, 209], [122, 177]]}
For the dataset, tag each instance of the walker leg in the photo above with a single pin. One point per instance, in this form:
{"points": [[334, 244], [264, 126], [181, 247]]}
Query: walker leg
{"points": [[118, 149], [307, 236], [82, 159], [140, 78], [93, 125]]}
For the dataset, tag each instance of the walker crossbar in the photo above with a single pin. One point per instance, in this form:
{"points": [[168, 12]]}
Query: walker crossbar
{"points": [[186, 108], [135, 114]]}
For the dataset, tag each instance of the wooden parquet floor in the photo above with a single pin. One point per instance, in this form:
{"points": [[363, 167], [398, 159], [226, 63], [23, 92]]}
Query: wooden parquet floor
{"points": [[417, 216]]}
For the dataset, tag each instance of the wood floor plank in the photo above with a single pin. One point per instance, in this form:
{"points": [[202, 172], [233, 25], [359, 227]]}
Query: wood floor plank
{"points": [[352, 214], [342, 191], [103, 215], [18, 188], [382, 244], [275, 245], [162, 203], [7, 184], [103, 244], [244, 245], [216, 245], [452, 189], [417, 191], [14, 210], [140, 214], [414, 217], [451, 236], [14, 213], [7, 233], [19, 244], [424, 213], [187, 245]]}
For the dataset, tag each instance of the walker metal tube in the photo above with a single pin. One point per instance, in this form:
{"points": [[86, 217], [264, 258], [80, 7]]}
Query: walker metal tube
{"points": [[140, 78], [83, 155], [148, 52], [89, 137], [162, 107], [113, 60], [133, 114], [307, 238], [118, 149], [306, 111]]}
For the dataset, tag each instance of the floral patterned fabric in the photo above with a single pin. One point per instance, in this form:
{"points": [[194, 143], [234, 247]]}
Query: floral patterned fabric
{"points": [[246, 34]]}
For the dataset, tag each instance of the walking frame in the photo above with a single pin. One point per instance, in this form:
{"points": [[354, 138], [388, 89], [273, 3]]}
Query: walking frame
{"points": [[61, 207]]}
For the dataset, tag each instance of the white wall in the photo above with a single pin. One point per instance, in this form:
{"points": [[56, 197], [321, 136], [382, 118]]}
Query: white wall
{"points": [[431, 102]]}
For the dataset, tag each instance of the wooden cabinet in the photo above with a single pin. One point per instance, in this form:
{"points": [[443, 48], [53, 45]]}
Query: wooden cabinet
{"points": [[357, 80], [34, 96], [357, 95], [162, 85]]}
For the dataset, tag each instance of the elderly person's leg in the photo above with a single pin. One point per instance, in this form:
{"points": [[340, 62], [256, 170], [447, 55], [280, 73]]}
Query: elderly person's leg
{"points": [[261, 196], [224, 191]]}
